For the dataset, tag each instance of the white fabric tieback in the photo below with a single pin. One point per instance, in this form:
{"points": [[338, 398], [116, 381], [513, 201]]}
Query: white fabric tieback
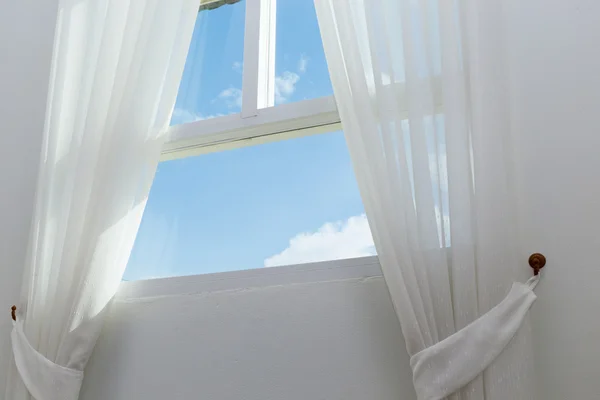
{"points": [[447, 366], [44, 379]]}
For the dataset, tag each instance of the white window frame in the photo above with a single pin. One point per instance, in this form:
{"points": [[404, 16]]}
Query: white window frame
{"points": [[322, 271], [259, 121]]}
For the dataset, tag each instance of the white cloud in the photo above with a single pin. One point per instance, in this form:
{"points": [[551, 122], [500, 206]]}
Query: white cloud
{"points": [[333, 241], [232, 97], [302, 63], [237, 66], [183, 116], [285, 86]]}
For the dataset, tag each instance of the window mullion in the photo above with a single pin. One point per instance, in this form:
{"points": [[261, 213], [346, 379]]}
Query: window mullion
{"points": [[251, 59], [258, 87], [266, 53]]}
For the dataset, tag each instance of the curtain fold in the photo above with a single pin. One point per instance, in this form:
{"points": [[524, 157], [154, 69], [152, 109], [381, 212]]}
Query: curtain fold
{"points": [[421, 90], [115, 73]]}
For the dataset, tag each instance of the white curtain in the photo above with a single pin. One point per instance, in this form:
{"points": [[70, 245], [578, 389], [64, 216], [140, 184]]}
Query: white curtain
{"points": [[115, 74], [421, 90]]}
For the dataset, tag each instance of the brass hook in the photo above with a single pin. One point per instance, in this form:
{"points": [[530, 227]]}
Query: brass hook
{"points": [[537, 262]]}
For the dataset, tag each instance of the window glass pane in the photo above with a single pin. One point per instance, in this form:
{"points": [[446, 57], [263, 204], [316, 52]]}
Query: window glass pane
{"points": [[287, 202], [212, 79], [300, 66]]}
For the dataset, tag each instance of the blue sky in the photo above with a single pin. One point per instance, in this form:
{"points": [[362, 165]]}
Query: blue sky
{"points": [[285, 202]]}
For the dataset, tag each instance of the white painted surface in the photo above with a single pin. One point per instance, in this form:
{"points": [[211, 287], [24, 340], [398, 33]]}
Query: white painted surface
{"points": [[325, 271], [251, 59], [26, 35], [266, 52], [284, 121], [274, 339], [556, 108]]}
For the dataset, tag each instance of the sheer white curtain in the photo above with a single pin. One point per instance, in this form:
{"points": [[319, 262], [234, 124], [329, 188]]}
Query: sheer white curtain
{"points": [[420, 87], [115, 73]]}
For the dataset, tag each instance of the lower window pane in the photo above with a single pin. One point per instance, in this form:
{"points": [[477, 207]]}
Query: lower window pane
{"points": [[288, 202]]}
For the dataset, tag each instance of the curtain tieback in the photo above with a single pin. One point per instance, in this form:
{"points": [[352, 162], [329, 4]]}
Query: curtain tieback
{"points": [[447, 366], [44, 379]]}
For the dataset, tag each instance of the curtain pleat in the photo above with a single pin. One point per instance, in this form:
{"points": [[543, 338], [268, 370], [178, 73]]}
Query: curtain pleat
{"points": [[115, 72], [420, 87]]}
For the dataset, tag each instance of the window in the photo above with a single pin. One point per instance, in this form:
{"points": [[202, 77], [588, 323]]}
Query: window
{"points": [[213, 88], [300, 66], [285, 202], [262, 178]]}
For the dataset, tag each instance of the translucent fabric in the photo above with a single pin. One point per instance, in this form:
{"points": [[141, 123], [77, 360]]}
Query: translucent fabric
{"points": [[420, 87], [115, 73]]}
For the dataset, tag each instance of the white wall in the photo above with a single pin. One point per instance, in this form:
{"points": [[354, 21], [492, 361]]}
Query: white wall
{"points": [[556, 115], [296, 341], [26, 33]]}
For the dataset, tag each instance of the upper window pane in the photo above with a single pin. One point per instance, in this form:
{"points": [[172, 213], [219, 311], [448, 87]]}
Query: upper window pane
{"points": [[212, 79], [288, 202], [300, 66]]}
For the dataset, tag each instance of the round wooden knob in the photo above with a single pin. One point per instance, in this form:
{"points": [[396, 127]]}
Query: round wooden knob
{"points": [[537, 262]]}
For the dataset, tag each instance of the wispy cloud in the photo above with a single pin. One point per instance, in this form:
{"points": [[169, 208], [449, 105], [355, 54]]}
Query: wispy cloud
{"points": [[232, 97], [182, 116], [285, 86], [285, 83], [302, 63], [332, 241]]}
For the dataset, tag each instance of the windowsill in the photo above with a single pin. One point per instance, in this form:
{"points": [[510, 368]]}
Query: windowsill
{"points": [[353, 268]]}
